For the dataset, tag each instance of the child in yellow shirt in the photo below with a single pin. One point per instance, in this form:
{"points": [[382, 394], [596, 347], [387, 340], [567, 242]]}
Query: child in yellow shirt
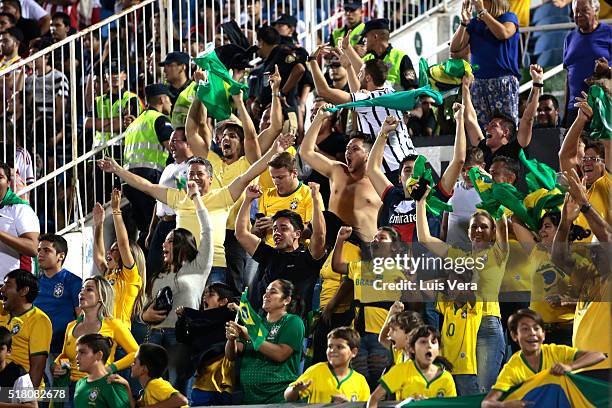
{"points": [[526, 328], [425, 375], [149, 365], [395, 331], [333, 381]]}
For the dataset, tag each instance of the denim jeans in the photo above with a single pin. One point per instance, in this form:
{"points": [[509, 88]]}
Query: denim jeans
{"points": [[180, 365], [490, 349], [372, 359], [466, 384]]}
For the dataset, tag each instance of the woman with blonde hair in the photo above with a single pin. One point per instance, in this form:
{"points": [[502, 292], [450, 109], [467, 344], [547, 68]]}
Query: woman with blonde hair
{"points": [[492, 38], [96, 304], [123, 265]]}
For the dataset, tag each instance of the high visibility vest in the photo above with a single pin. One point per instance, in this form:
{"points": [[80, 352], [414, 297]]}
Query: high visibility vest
{"points": [[341, 32], [393, 60], [105, 111], [142, 148], [181, 106]]}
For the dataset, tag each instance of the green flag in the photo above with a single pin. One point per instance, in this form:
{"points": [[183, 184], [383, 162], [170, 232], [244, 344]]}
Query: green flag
{"points": [[252, 321], [403, 101], [494, 194], [540, 175], [446, 75], [601, 103], [215, 93], [435, 206]]}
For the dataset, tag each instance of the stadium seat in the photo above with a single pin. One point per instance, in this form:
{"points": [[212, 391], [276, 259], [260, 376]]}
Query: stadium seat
{"points": [[548, 10]]}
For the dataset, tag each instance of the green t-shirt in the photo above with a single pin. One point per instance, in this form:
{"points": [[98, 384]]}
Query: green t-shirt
{"points": [[264, 381], [100, 394]]}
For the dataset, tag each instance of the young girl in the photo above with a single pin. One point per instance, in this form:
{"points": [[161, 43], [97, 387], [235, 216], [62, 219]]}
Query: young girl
{"points": [[95, 390], [123, 265], [95, 301], [489, 252], [425, 375], [396, 330]]}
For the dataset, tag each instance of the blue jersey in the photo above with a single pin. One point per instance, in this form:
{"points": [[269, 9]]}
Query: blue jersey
{"points": [[58, 297]]}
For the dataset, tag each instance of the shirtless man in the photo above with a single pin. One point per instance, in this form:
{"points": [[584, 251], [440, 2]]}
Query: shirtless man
{"points": [[353, 199]]}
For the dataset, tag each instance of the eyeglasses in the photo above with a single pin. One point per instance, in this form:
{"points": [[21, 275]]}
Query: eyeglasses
{"points": [[587, 159]]}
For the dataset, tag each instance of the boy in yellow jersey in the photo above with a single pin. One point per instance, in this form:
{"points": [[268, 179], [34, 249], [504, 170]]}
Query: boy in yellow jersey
{"points": [[30, 326], [288, 193], [425, 375], [526, 328], [333, 381], [395, 332], [462, 315], [149, 365]]}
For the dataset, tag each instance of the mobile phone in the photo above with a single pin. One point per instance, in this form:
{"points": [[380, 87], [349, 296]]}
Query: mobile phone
{"points": [[259, 215], [266, 79]]}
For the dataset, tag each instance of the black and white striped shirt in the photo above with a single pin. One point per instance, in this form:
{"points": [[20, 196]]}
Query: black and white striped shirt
{"points": [[44, 89], [370, 120]]}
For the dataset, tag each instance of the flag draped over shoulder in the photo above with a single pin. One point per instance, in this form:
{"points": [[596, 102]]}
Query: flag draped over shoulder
{"points": [[10, 198], [403, 101], [601, 103], [542, 390], [215, 92], [252, 321], [434, 205]]}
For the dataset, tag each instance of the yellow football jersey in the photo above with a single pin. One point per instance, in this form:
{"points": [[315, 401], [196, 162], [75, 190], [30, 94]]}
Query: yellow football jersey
{"points": [[459, 332], [600, 197], [406, 380], [265, 179], [325, 385], [517, 370], [31, 332], [516, 276], [156, 391], [223, 176], [126, 284], [330, 280]]}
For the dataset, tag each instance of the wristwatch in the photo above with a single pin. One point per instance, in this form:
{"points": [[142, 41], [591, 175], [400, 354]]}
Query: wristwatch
{"points": [[585, 208]]}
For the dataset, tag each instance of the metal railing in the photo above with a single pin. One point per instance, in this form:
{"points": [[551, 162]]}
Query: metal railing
{"points": [[52, 125]]}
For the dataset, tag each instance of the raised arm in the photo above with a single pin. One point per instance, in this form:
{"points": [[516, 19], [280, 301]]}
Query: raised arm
{"points": [[560, 254], [471, 120], [568, 154], [451, 174], [251, 144], [435, 245], [198, 141], [338, 264], [351, 53], [383, 337], [375, 159], [523, 235], [501, 232], [577, 189], [526, 124], [461, 38], [317, 240], [318, 161], [123, 241], [267, 136], [157, 191], [204, 258], [334, 96], [240, 183], [245, 237], [99, 251]]}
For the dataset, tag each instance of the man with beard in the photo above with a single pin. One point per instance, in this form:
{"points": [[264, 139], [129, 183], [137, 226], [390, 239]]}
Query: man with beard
{"points": [[548, 112], [146, 151]]}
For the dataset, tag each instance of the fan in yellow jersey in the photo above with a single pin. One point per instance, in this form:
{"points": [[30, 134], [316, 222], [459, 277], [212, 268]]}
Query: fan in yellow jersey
{"points": [[288, 193], [123, 266], [526, 328], [333, 381], [489, 252], [395, 332], [425, 375], [462, 316], [95, 301], [30, 326], [149, 365]]}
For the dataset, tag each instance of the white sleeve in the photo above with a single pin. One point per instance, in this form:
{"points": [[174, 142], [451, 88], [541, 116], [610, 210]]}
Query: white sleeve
{"points": [[33, 10], [25, 219], [360, 96], [23, 383]]}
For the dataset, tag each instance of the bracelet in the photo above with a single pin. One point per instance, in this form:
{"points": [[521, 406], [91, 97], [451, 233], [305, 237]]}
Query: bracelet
{"points": [[462, 24], [482, 13], [311, 58], [279, 94], [116, 212], [585, 208], [537, 85], [194, 195]]}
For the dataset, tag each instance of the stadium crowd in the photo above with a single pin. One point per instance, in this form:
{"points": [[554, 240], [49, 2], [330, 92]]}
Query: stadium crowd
{"points": [[285, 223]]}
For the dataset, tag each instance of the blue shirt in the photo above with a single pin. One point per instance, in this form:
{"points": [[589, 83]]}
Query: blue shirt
{"points": [[496, 58], [579, 54], [58, 297]]}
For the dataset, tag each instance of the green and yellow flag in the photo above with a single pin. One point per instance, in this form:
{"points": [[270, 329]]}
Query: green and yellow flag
{"points": [[435, 206], [252, 321], [601, 103]]}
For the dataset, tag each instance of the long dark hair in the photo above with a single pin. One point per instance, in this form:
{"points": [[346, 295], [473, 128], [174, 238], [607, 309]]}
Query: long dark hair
{"points": [[296, 306], [426, 331], [184, 248], [576, 232]]}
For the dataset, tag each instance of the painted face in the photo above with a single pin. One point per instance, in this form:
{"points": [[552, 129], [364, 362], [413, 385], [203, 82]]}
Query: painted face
{"points": [[274, 299], [284, 234], [338, 352], [529, 335]]}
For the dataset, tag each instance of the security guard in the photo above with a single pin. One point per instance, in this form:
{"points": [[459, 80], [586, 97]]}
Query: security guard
{"points": [[401, 72], [353, 17], [112, 107], [146, 151]]}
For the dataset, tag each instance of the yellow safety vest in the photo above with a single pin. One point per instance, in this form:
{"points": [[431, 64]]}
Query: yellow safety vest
{"points": [[393, 59], [341, 32], [105, 111], [142, 148]]}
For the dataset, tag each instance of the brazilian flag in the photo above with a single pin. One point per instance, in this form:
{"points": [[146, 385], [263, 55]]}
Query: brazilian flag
{"points": [[601, 103], [255, 327]]}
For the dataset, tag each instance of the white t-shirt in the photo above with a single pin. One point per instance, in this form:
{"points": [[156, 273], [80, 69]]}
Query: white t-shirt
{"points": [[33, 10], [169, 177], [464, 202], [15, 220], [23, 383]]}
